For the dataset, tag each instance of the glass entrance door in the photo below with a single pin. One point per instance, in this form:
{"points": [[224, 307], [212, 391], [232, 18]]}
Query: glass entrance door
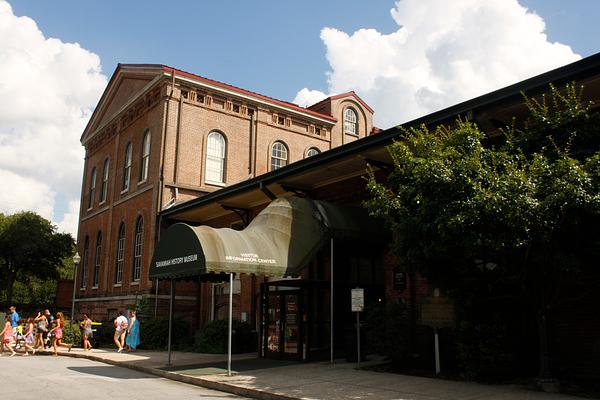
{"points": [[283, 325]]}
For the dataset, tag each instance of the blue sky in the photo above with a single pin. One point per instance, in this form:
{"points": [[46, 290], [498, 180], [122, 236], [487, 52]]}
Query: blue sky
{"points": [[405, 59], [272, 47]]}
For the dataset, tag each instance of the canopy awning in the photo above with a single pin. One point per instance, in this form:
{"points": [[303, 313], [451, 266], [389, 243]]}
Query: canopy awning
{"points": [[279, 242]]}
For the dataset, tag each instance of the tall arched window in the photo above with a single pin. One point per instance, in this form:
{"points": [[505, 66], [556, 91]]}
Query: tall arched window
{"points": [[85, 262], [97, 260], [137, 249], [215, 158], [145, 156], [313, 151], [92, 188], [279, 155], [350, 121], [120, 254], [127, 167], [104, 192]]}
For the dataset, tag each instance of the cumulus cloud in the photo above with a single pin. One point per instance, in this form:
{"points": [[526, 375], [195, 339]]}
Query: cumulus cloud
{"points": [[442, 53], [48, 89], [307, 97]]}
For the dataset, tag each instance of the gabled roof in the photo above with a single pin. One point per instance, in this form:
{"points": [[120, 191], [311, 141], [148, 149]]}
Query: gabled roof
{"points": [[342, 95]]}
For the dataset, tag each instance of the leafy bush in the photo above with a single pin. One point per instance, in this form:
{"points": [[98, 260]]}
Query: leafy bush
{"points": [[213, 338], [483, 349], [154, 334], [72, 334], [387, 331]]}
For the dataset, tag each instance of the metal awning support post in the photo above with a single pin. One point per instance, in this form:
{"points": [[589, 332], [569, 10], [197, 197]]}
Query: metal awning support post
{"points": [[331, 303], [230, 323], [170, 322]]}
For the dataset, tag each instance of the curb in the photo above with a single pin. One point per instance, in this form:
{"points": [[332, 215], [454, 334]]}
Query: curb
{"points": [[220, 386]]}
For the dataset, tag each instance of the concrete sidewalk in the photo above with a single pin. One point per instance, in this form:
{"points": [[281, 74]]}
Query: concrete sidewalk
{"points": [[268, 379]]}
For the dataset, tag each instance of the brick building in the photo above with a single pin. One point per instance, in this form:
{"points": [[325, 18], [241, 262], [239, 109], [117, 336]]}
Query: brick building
{"points": [[306, 305], [160, 137]]}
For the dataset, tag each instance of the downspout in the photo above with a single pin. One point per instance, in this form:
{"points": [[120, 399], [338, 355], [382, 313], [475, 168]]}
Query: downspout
{"points": [[177, 134], [161, 179], [252, 162], [163, 141]]}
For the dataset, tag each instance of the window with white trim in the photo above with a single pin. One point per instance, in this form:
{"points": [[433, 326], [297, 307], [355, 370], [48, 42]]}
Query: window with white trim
{"points": [[85, 262], [127, 167], [104, 192], [137, 250], [120, 254], [215, 157], [279, 155], [350, 121], [145, 156], [97, 260], [92, 189], [313, 151]]}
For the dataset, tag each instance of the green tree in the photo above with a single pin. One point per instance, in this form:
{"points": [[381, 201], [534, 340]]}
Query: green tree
{"points": [[30, 248], [469, 215]]}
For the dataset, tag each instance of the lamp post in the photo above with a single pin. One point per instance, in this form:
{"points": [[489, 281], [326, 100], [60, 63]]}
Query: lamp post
{"points": [[76, 260]]}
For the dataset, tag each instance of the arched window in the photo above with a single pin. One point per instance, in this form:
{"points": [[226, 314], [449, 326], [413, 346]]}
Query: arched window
{"points": [[145, 156], [137, 249], [215, 158], [127, 167], [92, 188], [104, 192], [313, 151], [350, 121], [279, 155], [85, 262], [97, 260], [120, 254]]}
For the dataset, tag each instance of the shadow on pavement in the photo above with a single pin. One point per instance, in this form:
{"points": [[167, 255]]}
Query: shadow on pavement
{"points": [[218, 367], [110, 371]]}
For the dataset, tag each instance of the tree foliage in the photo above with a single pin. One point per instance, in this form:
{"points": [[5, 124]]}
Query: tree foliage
{"points": [[524, 213], [30, 249]]}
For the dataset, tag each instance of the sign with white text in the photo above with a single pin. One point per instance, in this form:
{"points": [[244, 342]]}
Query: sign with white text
{"points": [[358, 300]]}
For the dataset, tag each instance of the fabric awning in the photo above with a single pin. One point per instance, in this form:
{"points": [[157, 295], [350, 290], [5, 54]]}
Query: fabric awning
{"points": [[279, 242]]}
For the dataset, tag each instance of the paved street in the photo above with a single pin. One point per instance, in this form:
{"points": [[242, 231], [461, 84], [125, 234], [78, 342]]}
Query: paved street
{"points": [[76, 378]]}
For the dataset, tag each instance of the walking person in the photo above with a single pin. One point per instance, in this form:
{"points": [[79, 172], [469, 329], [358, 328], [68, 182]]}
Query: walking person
{"points": [[29, 337], [120, 330], [133, 332], [86, 332], [14, 319], [7, 336], [48, 335], [41, 323], [57, 333]]}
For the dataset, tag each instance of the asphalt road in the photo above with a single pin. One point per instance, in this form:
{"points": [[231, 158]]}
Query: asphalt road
{"points": [[40, 376]]}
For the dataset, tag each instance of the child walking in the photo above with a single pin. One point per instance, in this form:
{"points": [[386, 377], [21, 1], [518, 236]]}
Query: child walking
{"points": [[7, 336], [29, 337], [57, 333]]}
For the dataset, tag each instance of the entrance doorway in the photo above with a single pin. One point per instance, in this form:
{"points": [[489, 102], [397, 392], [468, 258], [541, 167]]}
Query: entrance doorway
{"points": [[284, 328]]}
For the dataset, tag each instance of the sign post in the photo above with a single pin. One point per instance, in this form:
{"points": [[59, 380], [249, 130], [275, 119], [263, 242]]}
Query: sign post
{"points": [[357, 297]]}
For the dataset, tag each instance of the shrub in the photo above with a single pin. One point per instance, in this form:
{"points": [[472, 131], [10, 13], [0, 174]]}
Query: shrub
{"points": [[72, 334], [154, 333], [483, 349], [213, 338]]}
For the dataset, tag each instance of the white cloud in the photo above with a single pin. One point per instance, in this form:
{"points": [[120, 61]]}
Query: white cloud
{"points": [[307, 97], [442, 53], [48, 89]]}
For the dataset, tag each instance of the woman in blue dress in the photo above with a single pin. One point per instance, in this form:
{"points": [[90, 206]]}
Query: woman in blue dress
{"points": [[133, 332]]}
